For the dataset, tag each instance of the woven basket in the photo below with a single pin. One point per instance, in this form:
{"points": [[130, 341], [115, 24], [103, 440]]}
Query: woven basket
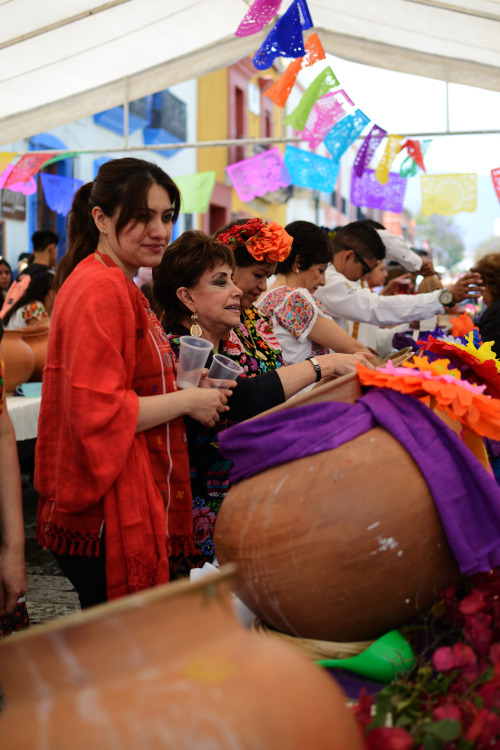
{"points": [[311, 648]]}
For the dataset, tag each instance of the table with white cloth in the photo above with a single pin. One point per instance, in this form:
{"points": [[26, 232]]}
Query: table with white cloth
{"points": [[23, 413]]}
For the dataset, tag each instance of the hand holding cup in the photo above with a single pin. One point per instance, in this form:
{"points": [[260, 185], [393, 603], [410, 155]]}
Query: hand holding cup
{"points": [[223, 372], [193, 354]]}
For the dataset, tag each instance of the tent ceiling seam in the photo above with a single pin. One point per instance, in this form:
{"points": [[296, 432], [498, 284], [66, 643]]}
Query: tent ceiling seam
{"points": [[61, 23], [456, 9]]}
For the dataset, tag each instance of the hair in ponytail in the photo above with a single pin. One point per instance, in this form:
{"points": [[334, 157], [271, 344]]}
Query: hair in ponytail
{"points": [[120, 190]]}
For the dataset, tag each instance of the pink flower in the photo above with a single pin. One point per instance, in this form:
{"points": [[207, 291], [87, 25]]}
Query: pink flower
{"points": [[478, 632], [448, 711], [472, 603], [443, 659], [389, 738], [363, 708], [484, 729], [203, 524]]}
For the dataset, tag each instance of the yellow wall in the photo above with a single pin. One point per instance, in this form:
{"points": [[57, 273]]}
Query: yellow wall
{"points": [[213, 122]]}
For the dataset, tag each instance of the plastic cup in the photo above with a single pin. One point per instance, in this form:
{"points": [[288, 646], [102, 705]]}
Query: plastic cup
{"points": [[223, 371], [193, 354]]}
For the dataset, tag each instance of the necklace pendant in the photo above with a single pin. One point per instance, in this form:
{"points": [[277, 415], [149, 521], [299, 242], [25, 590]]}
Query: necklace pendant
{"points": [[259, 355]]}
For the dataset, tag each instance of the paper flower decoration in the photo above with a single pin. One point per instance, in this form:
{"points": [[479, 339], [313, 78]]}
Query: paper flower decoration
{"points": [[477, 364], [462, 325], [440, 387]]}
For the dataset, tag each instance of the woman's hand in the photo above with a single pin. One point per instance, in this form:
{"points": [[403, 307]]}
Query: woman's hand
{"points": [[206, 404], [13, 579], [345, 363]]}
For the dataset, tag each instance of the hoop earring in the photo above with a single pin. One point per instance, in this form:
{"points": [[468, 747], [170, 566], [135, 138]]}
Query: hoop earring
{"points": [[195, 329]]}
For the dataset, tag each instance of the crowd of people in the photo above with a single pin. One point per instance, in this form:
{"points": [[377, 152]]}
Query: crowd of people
{"points": [[128, 469]]}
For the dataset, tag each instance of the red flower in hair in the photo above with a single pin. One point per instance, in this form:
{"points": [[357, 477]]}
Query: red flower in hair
{"points": [[267, 242]]}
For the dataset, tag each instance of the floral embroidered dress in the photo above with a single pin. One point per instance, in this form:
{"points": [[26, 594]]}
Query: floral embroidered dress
{"points": [[253, 344], [209, 470], [34, 312], [293, 313]]}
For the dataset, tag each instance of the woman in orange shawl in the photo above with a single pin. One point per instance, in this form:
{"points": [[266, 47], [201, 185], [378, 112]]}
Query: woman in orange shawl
{"points": [[111, 460]]}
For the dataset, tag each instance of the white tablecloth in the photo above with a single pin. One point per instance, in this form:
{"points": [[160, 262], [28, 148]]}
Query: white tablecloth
{"points": [[24, 413]]}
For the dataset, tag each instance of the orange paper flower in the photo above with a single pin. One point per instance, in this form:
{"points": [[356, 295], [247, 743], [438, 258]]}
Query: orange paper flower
{"points": [[458, 399], [272, 244], [462, 325]]}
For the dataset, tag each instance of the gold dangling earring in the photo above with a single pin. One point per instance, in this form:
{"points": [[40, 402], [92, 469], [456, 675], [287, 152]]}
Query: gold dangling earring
{"points": [[195, 329]]}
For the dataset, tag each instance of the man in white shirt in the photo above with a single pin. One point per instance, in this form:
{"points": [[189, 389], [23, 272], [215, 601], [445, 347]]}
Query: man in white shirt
{"points": [[357, 248]]}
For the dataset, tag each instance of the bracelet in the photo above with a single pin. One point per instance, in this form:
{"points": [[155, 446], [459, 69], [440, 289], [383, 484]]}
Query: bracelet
{"points": [[317, 368]]}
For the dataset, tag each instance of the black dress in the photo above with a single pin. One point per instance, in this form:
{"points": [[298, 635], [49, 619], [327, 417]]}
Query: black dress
{"points": [[209, 470]]}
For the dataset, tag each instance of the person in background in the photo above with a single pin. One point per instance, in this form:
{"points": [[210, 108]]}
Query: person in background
{"points": [[35, 304], [45, 243], [357, 248], [13, 578], [23, 261], [489, 322], [300, 322], [111, 464], [5, 279]]}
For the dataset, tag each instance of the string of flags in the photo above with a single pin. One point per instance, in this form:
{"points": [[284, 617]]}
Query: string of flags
{"points": [[325, 114]]}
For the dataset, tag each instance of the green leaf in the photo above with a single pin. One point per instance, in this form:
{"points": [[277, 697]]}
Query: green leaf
{"points": [[432, 743], [446, 730]]}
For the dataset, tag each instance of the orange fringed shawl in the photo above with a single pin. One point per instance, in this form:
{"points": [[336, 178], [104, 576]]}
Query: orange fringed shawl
{"points": [[105, 349]]}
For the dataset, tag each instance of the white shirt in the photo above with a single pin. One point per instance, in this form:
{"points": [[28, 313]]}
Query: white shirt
{"points": [[345, 301], [399, 250]]}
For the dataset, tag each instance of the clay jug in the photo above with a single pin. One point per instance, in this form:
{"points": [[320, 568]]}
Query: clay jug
{"points": [[37, 338], [343, 545], [167, 668], [19, 360]]}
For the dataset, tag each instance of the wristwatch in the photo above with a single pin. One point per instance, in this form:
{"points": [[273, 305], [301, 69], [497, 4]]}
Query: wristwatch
{"points": [[446, 298], [317, 368]]}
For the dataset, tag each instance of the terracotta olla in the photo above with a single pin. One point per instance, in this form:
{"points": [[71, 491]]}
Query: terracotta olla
{"points": [[37, 338], [343, 545], [19, 360], [168, 668]]}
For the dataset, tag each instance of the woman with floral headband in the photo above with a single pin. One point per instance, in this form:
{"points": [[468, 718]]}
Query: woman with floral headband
{"points": [[258, 248], [303, 326], [194, 285]]}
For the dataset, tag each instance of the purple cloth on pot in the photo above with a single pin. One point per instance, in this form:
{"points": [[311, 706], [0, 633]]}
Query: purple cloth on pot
{"points": [[467, 498]]}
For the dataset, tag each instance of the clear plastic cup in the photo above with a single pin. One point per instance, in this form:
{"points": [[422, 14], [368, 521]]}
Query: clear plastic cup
{"points": [[223, 371], [193, 354]]}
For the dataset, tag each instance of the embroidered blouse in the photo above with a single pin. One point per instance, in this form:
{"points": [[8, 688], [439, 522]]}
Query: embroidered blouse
{"points": [[34, 312], [293, 314], [253, 344]]}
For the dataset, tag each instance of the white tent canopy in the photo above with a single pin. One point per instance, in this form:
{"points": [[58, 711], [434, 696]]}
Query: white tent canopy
{"points": [[61, 60]]}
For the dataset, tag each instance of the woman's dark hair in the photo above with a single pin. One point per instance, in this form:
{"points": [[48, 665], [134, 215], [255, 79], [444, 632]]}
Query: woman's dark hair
{"points": [[3, 262], [40, 285], [183, 264], [122, 186], [310, 245], [489, 268], [3, 292], [242, 257]]}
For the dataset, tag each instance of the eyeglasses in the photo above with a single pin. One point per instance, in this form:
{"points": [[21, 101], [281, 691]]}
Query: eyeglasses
{"points": [[360, 259]]}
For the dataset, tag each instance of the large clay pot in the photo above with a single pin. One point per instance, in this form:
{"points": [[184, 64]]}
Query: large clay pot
{"points": [[37, 338], [343, 545], [168, 668], [19, 360]]}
